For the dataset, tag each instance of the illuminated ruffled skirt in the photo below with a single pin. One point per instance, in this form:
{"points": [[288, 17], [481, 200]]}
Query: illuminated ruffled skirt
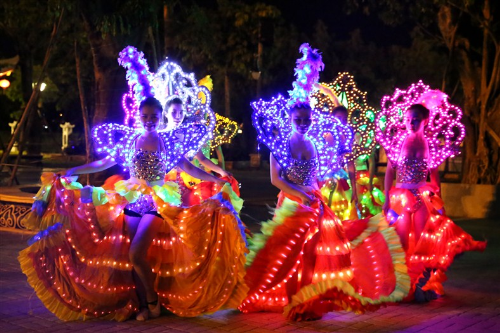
{"points": [[79, 264], [338, 193], [359, 265], [440, 242], [194, 191]]}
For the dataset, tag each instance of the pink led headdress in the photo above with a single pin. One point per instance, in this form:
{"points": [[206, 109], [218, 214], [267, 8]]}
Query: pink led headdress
{"points": [[361, 117], [444, 131]]}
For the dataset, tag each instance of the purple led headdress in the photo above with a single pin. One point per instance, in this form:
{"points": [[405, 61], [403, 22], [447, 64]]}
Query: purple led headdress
{"points": [[272, 121], [139, 78], [306, 74], [444, 131], [116, 140]]}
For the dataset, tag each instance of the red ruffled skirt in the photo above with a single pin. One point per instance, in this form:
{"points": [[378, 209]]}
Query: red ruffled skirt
{"points": [[79, 265], [359, 265], [440, 242], [195, 191]]}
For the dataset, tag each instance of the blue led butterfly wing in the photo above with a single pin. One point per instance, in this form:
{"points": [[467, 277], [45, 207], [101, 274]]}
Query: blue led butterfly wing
{"points": [[114, 140], [186, 140], [270, 119]]}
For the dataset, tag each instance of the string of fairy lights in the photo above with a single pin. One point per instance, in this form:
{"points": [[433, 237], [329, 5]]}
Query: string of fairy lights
{"points": [[361, 117], [225, 130]]}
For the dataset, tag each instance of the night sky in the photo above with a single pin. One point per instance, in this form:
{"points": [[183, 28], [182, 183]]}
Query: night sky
{"points": [[304, 15]]}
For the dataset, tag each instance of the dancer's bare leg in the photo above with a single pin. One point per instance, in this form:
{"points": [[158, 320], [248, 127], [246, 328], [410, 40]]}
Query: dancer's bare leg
{"points": [[147, 229], [403, 228], [419, 220], [132, 223]]}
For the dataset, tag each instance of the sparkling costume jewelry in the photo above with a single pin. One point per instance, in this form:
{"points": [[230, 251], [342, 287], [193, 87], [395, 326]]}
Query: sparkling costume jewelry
{"points": [[302, 172]]}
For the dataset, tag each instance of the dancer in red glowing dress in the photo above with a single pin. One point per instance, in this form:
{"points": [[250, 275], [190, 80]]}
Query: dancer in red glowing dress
{"points": [[417, 141], [307, 262]]}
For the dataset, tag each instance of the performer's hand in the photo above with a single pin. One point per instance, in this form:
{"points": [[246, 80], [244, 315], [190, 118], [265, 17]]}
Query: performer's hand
{"points": [[248, 232], [306, 199], [224, 173], [386, 207], [65, 173], [221, 182]]}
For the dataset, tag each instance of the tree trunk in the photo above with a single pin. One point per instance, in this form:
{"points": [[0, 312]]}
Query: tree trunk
{"points": [[83, 104], [227, 95], [167, 40], [32, 103], [109, 77]]}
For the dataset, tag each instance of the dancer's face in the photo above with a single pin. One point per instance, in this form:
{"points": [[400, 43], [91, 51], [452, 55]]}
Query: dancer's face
{"points": [[414, 121], [341, 116], [150, 118], [175, 115], [301, 120]]}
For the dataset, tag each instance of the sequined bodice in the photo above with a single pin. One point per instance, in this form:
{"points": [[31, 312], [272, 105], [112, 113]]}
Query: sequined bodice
{"points": [[302, 172], [411, 170], [148, 165]]}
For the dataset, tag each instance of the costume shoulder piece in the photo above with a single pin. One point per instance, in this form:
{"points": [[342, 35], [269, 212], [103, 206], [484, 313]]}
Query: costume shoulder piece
{"points": [[332, 140], [114, 140], [444, 131], [186, 139], [271, 121]]}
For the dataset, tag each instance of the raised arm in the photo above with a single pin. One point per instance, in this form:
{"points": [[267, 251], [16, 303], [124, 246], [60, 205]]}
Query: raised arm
{"points": [[93, 167], [189, 168], [389, 179], [284, 185], [207, 163]]}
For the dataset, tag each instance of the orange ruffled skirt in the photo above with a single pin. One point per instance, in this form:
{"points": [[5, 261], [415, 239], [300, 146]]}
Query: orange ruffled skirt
{"points": [[440, 242], [79, 265], [359, 265]]}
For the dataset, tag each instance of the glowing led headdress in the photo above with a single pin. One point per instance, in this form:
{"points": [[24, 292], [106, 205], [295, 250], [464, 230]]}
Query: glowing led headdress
{"points": [[117, 141], [361, 117], [444, 131], [225, 130], [306, 75], [138, 78], [272, 121], [167, 83]]}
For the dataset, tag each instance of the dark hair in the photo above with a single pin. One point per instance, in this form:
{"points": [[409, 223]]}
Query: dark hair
{"points": [[340, 108], [175, 100], [151, 101], [424, 112], [299, 105]]}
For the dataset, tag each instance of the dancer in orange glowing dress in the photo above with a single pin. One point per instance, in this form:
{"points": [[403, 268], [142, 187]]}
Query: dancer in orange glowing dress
{"points": [[129, 247]]}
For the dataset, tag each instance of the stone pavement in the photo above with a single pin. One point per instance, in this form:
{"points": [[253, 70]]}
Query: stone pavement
{"points": [[472, 303]]}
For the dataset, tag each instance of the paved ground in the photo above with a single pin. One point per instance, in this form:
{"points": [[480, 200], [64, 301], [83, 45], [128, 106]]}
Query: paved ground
{"points": [[472, 303]]}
